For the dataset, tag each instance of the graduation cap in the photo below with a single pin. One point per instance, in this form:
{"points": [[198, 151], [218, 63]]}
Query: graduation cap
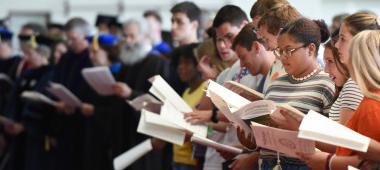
{"points": [[5, 34], [35, 41], [102, 39], [107, 19]]}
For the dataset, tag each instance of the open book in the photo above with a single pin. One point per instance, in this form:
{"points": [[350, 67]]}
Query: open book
{"points": [[233, 100], [280, 140], [258, 111], [100, 79], [127, 158], [170, 113], [63, 94], [296, 114], [244, 91], [154, 125], [140, 102], [37, 97], [317, 127], [162, 90], [210, 143]]}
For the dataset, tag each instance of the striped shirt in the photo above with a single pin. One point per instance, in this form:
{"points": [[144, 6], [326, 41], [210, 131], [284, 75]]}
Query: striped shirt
{"points": [[349, 98], [315, 93]]}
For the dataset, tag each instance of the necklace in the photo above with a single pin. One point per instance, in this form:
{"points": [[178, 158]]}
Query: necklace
{"points": [[307, 76]]}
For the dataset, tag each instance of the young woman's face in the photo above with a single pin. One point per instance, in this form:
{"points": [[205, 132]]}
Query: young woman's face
{"points": [[331, 67], [343, 43], [295, 56], [187, 70]]}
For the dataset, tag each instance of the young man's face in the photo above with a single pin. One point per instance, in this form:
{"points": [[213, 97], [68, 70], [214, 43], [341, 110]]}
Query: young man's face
{"points": [[225, 35], [182, 27], [249, 58]]}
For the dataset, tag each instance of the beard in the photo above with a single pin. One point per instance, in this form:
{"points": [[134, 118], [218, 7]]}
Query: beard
{"points": [[132, 54]]}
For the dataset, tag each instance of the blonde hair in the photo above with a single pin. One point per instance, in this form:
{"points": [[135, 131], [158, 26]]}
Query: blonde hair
{"points": [[361, 21], [365, 60]]}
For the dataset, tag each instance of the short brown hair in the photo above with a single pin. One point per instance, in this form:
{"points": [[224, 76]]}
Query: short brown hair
{"points": [[246, 37], [277, 18]]}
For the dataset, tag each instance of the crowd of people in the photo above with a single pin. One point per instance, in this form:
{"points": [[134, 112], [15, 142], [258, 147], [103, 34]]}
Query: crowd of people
{"points": [[273, 51]]}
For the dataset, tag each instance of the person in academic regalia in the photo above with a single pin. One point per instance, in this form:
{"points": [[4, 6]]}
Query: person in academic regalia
{"points": [[28, 120], [105, 131], [8, 63], [69, 125], [139, 66]]}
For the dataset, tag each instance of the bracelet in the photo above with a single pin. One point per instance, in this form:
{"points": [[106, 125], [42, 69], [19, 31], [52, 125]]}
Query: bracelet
{"points": [[330, 161], [214, 117], [327, 164]]}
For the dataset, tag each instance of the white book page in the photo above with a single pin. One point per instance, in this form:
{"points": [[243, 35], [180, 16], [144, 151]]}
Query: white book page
{"points": [[244, 91], [210, 143], [167, 93], [233, 100], [225, 110], [256, 109], [280, 140], [63, 94], [315, 126], [37, 97], [100, 79], [170, 113], [152, 124], [127, 158], [139, 102]]}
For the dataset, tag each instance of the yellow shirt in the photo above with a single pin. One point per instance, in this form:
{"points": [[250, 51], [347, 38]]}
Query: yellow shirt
{"points": [[183, 154]]}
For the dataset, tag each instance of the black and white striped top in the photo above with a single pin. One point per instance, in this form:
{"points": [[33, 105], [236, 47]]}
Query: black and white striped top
{"points": [[349, 98]]}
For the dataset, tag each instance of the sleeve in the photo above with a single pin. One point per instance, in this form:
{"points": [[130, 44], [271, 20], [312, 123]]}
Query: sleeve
{"points": [[328, 94], [351, 96]]}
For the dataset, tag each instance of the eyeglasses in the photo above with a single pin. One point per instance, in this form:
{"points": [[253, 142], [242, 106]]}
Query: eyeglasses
{"points": [[287, 52]]}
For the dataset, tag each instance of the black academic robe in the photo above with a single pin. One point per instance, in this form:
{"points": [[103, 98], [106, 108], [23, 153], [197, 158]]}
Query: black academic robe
{"points": [[8, 67], [136, 76], [106, 132], [69, 129], [19, 110]]}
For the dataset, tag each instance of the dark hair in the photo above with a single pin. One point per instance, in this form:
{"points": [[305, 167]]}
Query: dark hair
{"points": [[361, 21], [308, 31], [38, 29], [279, 17], [260, 7], [113, 52], [229, 14], [246, 37], [191, 10], [187, 52], [154, 14]]}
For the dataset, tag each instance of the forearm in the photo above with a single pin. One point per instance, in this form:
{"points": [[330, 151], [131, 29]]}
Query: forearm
{"points": [[220, 126], [342, 162]]}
